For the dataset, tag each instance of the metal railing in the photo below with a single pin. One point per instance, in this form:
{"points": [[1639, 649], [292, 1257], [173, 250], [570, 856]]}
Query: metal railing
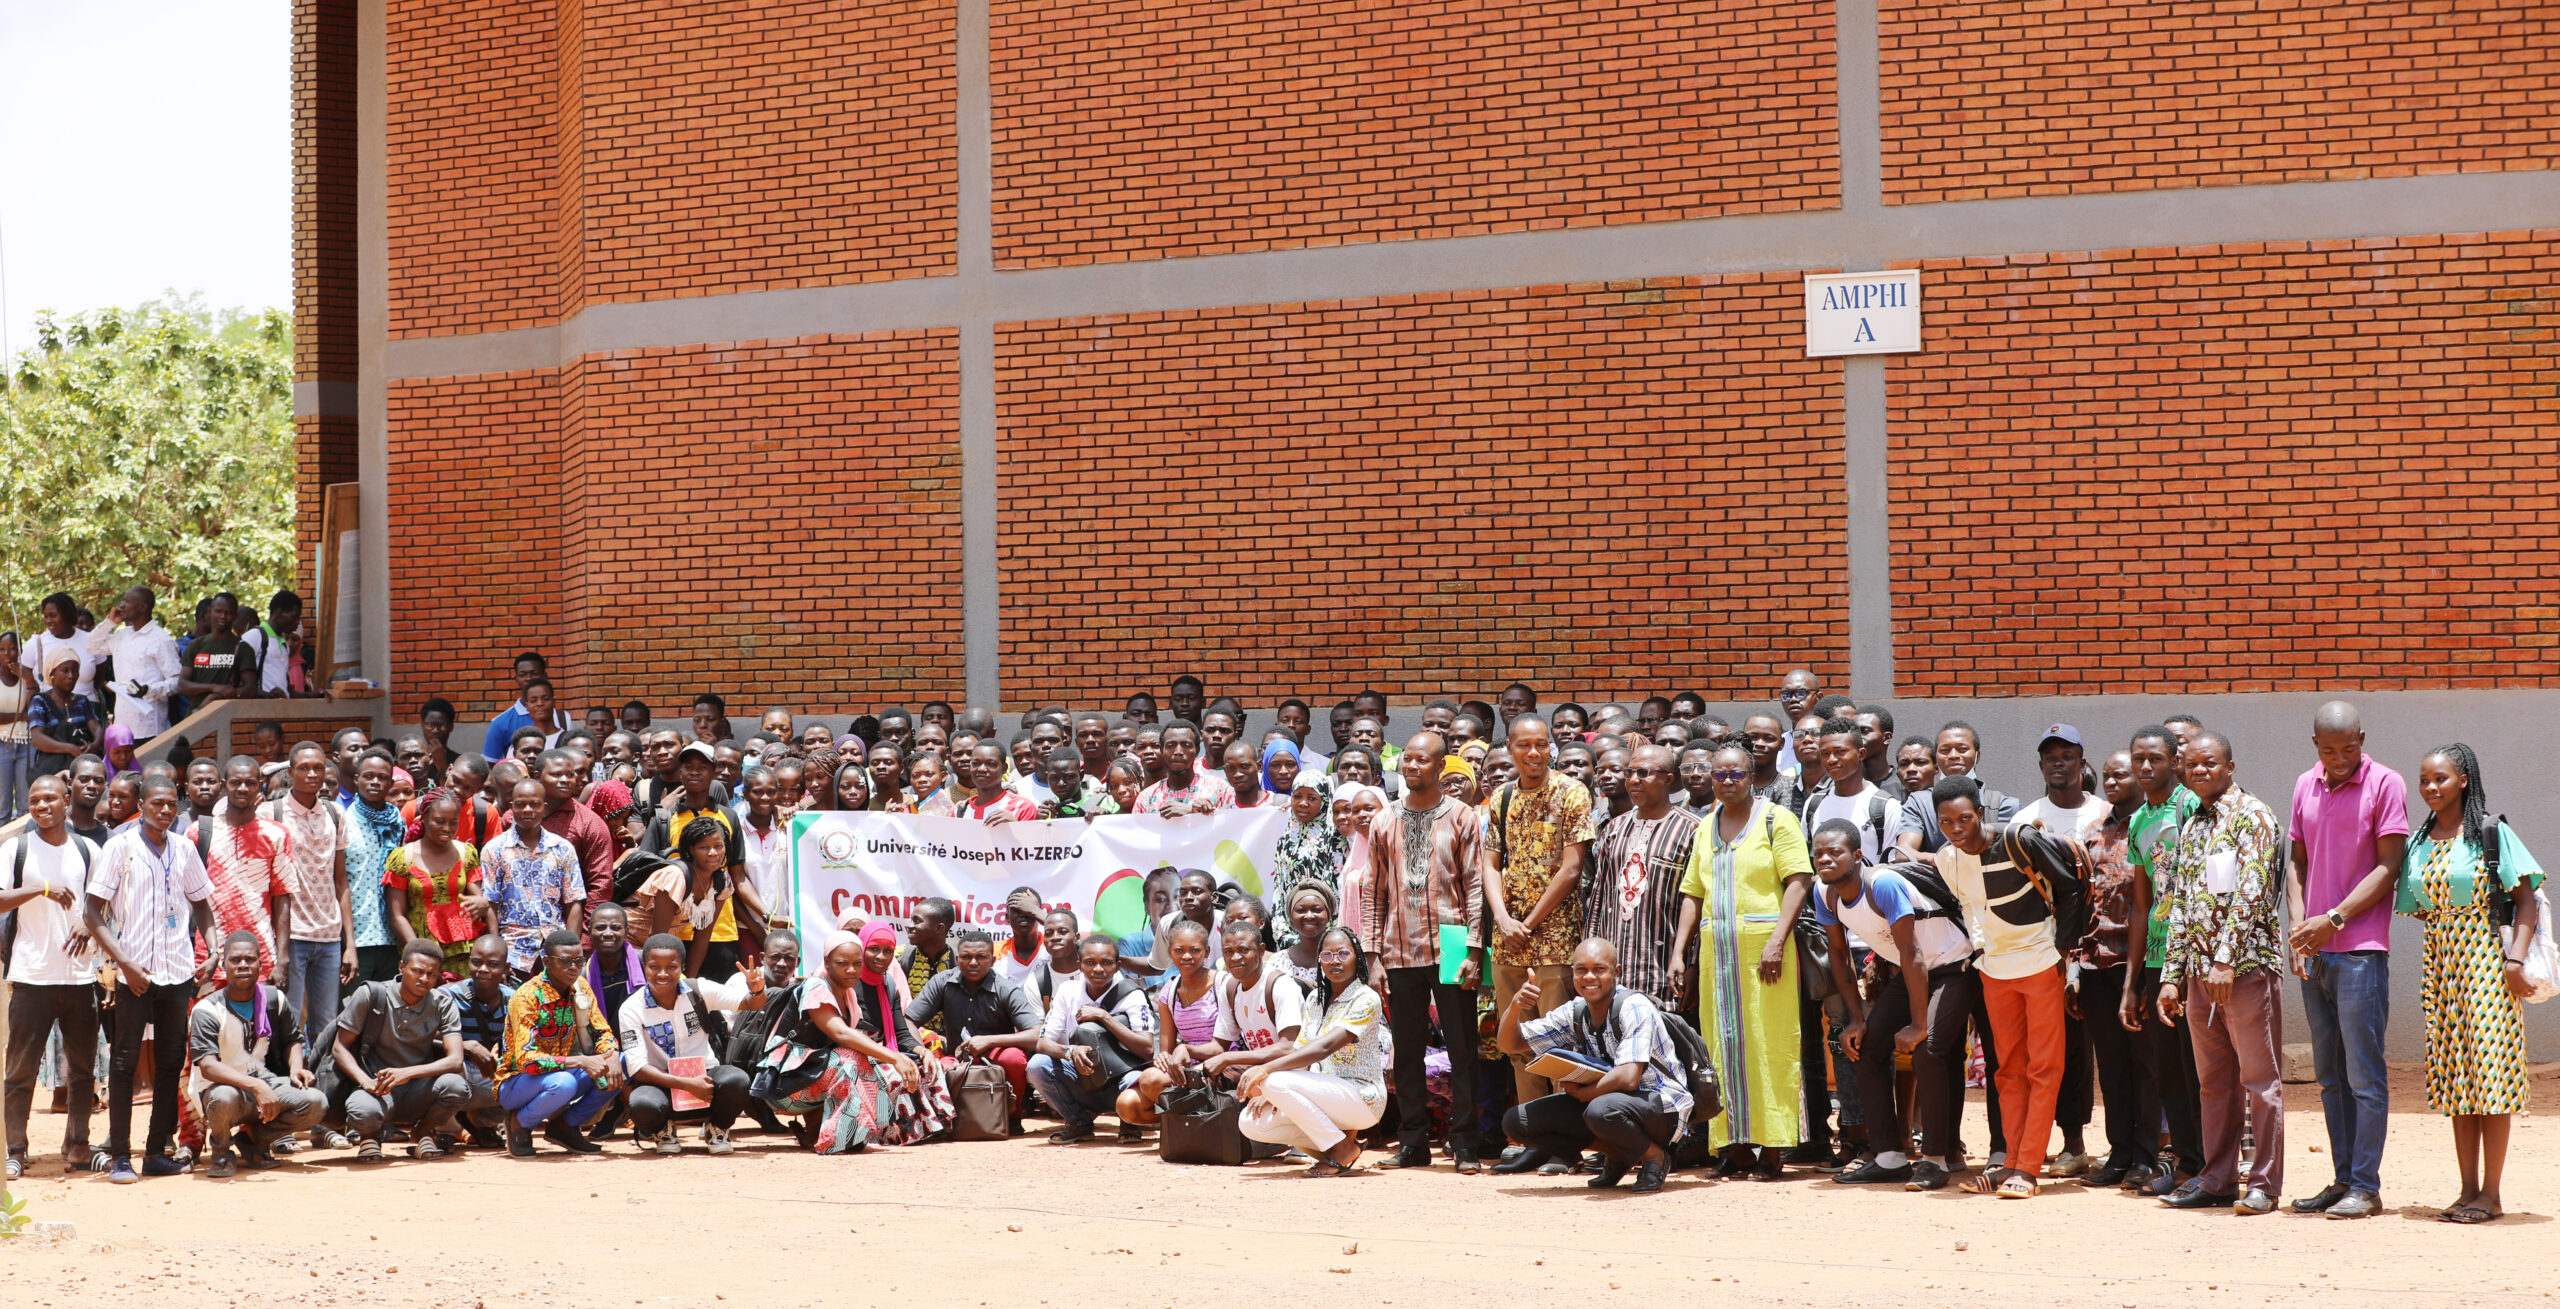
{"points": [[220, 714]]}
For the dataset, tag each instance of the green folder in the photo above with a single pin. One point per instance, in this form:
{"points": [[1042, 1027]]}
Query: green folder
{"points": [[1453, 951]]}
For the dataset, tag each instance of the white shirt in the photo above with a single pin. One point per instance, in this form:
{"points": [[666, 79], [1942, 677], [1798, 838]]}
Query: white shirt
{"points": [[1884, 899], [2009, 951], [150, 895], [1856, 809], [769, 864], [271, 659], [2081, 825], [652, 1036], [1253, 1017], [149, 656], [43, 644], [1136, 1010], [42, 955]]}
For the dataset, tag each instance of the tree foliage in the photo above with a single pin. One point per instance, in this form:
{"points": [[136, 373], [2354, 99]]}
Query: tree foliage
{"points": [[153, 445]]}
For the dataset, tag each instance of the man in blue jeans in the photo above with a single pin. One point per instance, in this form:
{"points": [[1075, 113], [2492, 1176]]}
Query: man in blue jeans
{"points": [[543, 1078], [319, 951], [1098, 997], [2350, 828]]}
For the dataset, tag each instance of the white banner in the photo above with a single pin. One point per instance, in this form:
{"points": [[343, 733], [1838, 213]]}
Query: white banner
{"points": [[881, 865]]}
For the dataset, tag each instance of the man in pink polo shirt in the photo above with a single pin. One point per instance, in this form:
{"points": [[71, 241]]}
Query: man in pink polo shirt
{"points": [[2350, 828]]}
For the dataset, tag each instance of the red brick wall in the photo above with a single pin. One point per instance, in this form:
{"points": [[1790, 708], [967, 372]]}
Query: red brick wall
{"points": [[1594, 487], [473, 164], [2238, 468], [1128, 129], [779, 522], [475, 535], [740, 146], [2045, 97], [324, 253]]}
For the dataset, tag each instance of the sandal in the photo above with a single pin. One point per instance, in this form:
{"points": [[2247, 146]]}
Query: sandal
{"points": [[2469, 1213], [2017, 1186]]}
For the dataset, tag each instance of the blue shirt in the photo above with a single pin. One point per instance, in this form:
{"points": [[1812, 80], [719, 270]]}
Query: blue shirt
{"points": [[502, 729], [486, 1024]]}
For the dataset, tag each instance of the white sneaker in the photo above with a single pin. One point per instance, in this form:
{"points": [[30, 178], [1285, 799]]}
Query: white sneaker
{"points": [[667, 1143], [717, 1138]]}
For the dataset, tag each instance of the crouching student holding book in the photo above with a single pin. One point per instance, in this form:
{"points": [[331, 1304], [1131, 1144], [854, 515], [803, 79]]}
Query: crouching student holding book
{"points": [[671, 1035], [1619, 1083]]}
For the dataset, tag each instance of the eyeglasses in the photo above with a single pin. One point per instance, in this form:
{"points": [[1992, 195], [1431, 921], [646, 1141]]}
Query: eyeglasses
{"points": [[1723, 776], [1333, 957]]}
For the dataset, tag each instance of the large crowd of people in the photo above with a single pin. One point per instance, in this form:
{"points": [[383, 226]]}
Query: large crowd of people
{"points": [[1554, 939]]}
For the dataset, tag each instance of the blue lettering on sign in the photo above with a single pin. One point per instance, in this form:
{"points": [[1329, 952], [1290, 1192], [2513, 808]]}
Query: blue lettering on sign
{"points": [[1864, 332], [1865, 295]]}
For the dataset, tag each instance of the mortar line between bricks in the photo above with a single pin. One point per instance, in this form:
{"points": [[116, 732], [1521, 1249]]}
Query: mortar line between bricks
{"points": [[1752, 243]]}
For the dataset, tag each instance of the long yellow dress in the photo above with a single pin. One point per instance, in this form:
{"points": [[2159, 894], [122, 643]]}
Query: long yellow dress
{"points": [[1750, 1027]]}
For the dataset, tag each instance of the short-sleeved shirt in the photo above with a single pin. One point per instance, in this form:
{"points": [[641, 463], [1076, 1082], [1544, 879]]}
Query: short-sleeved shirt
{"points": [[1886, 900], [2341, 828], [249, 864], [542, 1027], [223, 661], [217, 1030], [2011, 920], [72, 724], [1874, 812], [653, 1037], [1362, 1063], [1014, 807], [153, 895], [318, 834], [373, 832], [529, 888], [1531, 830], [2461, 873], [1631, 1033], [1632, 894], [1205, 785], [994, 1007], [1253, 1017], [389, 1034], [1134, 1008], [2152, 834], [41, 955]]}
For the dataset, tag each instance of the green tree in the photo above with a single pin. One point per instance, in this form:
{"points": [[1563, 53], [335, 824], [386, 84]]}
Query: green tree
{"points": [[153, 445]]}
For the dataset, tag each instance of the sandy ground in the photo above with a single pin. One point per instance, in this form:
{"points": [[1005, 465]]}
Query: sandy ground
{"points": [[1020, 1222]]}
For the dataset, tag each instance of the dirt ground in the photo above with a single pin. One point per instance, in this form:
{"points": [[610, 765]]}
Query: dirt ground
{"points": [[1013, 1223]]}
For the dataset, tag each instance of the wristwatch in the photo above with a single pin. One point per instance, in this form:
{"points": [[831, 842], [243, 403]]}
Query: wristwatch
{"points": [[2337, 920]]}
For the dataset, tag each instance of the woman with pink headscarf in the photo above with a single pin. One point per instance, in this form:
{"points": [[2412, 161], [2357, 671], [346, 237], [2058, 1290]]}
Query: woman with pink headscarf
{"points": [[876, 1089]]}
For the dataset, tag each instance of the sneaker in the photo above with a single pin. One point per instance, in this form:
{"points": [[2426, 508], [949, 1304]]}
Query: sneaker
{"points": [[519, 1141], [224, 1164], [369, 1150], [665, 1141], [716, 1140], [121, 1173], [286, 1145], [17, 1167], [161, 1165]]}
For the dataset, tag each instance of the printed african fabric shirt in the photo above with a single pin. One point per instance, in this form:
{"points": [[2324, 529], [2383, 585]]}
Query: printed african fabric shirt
{"points": [[2225, 890], [1531, 830], [542, 1027]]}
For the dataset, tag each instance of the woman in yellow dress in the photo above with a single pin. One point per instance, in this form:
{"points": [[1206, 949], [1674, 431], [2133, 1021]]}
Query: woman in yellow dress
{"points": [[2473, 972], [1748, 874]]}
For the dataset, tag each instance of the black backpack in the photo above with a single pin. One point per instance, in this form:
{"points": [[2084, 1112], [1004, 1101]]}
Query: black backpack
{"points": [[1689, 1050], [1937, 899], [87, 853]]}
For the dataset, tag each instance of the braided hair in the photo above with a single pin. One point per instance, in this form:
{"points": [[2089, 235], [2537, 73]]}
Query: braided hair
{"points": [[2476, 824], [1359, 965]]}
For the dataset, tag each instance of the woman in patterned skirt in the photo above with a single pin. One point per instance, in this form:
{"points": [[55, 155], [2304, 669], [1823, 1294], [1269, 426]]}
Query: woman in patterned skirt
{"points": [[2474, 971]]}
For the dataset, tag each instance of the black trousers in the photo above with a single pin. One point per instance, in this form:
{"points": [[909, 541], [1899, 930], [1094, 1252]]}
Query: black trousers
{"points": [[1411, 993], [1623, 1126], [2077, 1100], [162, 1009], [1937, 1065], [1813, 1027], [34, 1011], [652, 1106], [2123, 1070], [2172, 1065]]}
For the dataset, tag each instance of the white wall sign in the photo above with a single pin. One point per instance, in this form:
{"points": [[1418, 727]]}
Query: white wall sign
{"points": [[1862, 313]]}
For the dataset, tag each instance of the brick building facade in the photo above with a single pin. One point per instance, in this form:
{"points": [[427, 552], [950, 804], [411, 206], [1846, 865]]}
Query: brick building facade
{"points": [[1038, 350]]}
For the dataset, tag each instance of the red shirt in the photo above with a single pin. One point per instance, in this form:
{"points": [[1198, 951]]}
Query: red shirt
{"points": [[586, 834]]}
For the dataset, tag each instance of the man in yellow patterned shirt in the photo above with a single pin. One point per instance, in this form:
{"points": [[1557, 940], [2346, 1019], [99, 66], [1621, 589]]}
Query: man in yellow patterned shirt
{"points": [[1541, 830]]}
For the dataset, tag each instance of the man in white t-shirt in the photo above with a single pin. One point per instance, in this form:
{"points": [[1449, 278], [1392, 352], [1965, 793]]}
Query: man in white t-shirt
{"points": [[1846, 794], [44, 873], [2068, 808], [1924, 993], [1259, 1008]]}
